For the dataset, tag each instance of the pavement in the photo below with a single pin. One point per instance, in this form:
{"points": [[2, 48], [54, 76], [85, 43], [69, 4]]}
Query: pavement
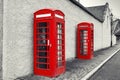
{"points": [[78, 69], [110, 70]]}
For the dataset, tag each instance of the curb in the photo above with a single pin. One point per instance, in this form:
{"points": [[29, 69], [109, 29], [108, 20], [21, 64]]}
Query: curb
{"points": [[99, 66]]}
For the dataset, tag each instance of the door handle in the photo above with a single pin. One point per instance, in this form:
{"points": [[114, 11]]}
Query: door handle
{"points": [[49, 43]]}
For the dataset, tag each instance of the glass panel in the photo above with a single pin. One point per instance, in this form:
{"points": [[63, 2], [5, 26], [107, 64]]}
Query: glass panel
{"points": [[85, 37], [59, 63], [59, 25], [44, 66], [42, 47], [42, 36], [42, 60], [44, 54], [42, 24], [85, 34], [84, 40], [42, 30], [59, 41], [42, 41], [59, 47], [85, 53], [59, 53], [59, 58], [59, 36], [60, 31], [85, 46]]}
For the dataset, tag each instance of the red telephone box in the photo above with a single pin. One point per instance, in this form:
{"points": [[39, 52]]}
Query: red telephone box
{"points": [[49, 42], [85, 40]]}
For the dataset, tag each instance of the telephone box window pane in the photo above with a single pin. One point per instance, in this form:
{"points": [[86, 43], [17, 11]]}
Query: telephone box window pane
{"points": [[85, 46], [59, 31], [42, 41], [59, 47], [44, 54], [59, 25], [59, 36], [85, 37], [85, 50], [43, 24], [59, 64], [59, 58], [59, 53], [42, 60], [42, 47], [85, 32], [42, 36], [59, 41], [42, 30], [84, 41], [44, 66], [84, 53]]}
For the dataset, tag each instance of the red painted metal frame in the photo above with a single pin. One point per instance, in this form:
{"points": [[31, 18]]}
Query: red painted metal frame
{"points": [[85, 26], [53, 70]]}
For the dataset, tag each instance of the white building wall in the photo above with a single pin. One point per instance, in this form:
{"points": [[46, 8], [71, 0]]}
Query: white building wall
{"points": [[18, 33], [107, 30], [114, 40], [1, 36]]}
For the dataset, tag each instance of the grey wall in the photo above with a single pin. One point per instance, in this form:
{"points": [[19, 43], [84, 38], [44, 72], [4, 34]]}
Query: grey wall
{"points": [[18, 33], [1, 36]]}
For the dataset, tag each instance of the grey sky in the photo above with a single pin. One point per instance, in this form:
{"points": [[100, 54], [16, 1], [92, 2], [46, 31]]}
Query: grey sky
{"points": [[114, 5]]}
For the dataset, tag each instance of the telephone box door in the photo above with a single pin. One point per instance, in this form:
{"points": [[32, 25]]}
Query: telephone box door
{"points": [[42, 46], [85, 41]]}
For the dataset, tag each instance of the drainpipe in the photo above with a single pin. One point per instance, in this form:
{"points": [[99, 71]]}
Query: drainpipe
{"points": [[111, 35], [111, 29]]}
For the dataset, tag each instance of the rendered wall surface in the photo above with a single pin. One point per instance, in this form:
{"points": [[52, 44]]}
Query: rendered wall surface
{"points": [[1, 36], [107, 30], [18, 33], [114, 40]]}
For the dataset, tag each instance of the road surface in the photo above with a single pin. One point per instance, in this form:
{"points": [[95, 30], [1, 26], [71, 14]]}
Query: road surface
{"points": [[110, 70]]}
